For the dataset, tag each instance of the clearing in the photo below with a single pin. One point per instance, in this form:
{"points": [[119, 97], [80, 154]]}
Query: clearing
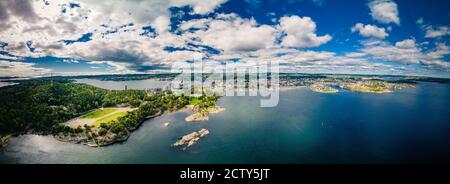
{"points": [[110, 118], [103, 115], [99, 113]]}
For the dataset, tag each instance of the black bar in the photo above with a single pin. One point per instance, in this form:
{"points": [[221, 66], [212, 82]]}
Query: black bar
{"points": [[275, 173]]}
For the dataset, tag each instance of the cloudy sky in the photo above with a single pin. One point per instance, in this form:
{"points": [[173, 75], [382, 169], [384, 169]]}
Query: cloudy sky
{"points": [[78, 37]]}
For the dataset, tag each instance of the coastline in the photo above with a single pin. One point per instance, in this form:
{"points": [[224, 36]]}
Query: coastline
{"points": [[101, 141], [286, 88], [106, 140], [203, 115], [111, 138], [84, 137], [153, 138]]}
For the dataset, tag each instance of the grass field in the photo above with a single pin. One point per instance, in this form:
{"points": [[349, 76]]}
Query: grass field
{"points": [[99, 113], [194, 101], [110, 118]]}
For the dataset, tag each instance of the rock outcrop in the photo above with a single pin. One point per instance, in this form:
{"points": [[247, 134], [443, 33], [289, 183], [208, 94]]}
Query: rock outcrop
{"points": [[190, 139], [203, 115]]}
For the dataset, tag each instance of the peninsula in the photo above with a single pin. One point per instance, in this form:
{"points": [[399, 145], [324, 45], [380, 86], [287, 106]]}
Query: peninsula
{"points": [[375, 86]]}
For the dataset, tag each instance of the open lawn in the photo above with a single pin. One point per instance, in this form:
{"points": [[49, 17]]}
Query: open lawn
{"points": [[194, 101], [99, 116], [99, 113], [109, 118]]}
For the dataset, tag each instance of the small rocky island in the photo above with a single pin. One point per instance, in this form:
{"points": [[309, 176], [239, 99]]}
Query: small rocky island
{"points": [[190, 139], [203, 114]]}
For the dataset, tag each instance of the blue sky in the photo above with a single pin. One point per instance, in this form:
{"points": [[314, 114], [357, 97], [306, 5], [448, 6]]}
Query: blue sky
{"points": [[85, 37]]}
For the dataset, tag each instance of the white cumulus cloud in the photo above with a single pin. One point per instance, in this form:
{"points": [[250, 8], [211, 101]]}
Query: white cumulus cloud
{"points": [[384, 11], [370, 31], [231, 33], [405, 52], [301, 32], [441, 31]]}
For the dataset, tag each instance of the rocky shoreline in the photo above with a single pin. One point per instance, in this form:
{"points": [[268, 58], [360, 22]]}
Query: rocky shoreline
{"points": [[93, 139], [203, 114], [87, 138]]}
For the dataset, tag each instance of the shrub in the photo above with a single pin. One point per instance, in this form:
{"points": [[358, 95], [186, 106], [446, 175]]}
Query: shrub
{"points": [[104, 125], [102, 132]]}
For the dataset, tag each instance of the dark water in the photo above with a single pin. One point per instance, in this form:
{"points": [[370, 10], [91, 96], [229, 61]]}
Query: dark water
{"points": [[407, 126]]}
